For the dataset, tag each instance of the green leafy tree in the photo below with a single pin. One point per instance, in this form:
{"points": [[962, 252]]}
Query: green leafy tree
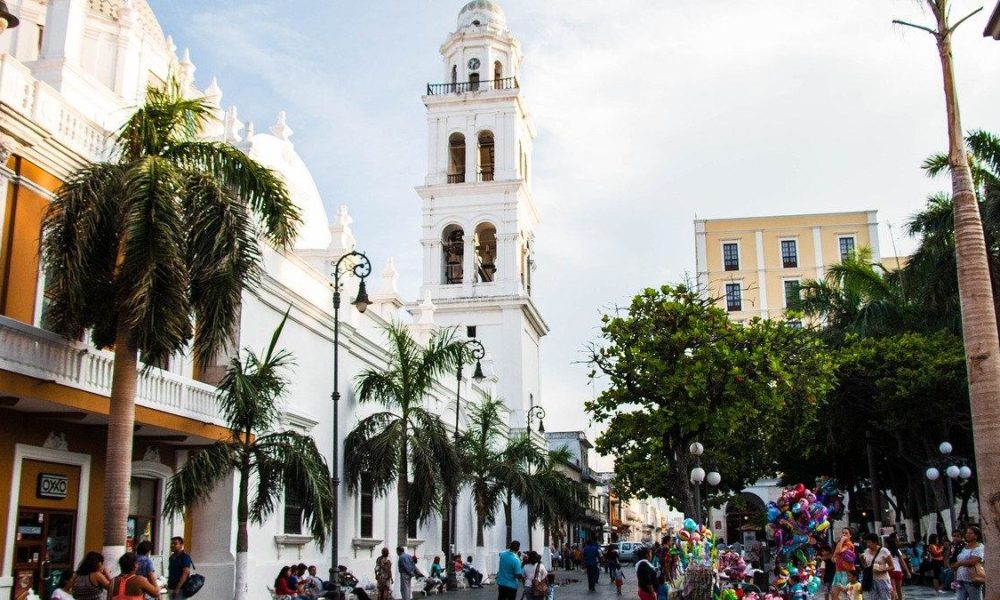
{"points": [[250, 398], [406, 437], [152, 250], [679, 370]]}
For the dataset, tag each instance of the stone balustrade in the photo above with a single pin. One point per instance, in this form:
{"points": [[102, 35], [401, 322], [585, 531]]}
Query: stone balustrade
{"points": [[44, 355]]}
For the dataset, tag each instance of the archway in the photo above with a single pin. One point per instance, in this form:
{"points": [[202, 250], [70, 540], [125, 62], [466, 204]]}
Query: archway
{"points": [[486, 252], [746, 516], [456, 158], [452, 254]]}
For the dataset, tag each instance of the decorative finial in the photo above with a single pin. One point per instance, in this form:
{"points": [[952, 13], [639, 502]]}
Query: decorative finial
{"points": [[389, 278], [213, 93], [280, 129], [232, 126]]}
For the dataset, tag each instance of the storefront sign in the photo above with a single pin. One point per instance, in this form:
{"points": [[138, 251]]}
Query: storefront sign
{"points": [[52, 485]]}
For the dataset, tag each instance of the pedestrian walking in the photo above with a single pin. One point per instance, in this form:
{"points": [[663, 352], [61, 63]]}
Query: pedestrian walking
{"points": [[900, 568], [92, 579], [844, 558], [145, 568], [879, 560], [407, 567], [969, 570], [178, 568], [509, 572], [129, 585], [536, 578], [592, 562], [936, 555], [383, 576]]}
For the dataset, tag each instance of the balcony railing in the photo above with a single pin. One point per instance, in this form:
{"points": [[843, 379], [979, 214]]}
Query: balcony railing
{"points": [[456, 178], [44, 355], [462, 87]]}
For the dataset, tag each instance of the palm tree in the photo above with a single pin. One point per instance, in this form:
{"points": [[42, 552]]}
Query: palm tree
{"points": [[493, 468], [153, 249], [979, 320], [858, 296], [388, 446], [249, 398]]}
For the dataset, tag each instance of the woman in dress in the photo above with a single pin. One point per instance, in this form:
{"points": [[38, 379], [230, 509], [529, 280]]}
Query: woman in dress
{"points": [[92, 580], [383, 576]]}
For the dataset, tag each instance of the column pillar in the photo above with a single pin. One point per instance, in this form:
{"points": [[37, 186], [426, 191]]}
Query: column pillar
{"points": [[64, 31]]}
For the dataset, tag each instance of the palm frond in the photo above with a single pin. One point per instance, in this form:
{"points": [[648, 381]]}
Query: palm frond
{"points": [[371, 451], [261, 188], [196, 481], [153, 281], [166, 118]]}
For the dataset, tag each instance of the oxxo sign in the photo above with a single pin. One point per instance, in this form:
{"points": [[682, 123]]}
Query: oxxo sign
{"points": [[52, 485]]}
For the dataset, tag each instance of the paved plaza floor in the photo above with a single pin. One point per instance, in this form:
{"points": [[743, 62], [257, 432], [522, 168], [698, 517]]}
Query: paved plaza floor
{"points": [[574, 587]]}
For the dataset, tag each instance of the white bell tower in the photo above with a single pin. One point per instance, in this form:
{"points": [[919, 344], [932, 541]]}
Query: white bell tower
{"points": [[478, 211]]}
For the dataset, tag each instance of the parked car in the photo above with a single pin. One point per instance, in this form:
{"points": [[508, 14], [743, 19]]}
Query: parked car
{"points": [[627, 551]]}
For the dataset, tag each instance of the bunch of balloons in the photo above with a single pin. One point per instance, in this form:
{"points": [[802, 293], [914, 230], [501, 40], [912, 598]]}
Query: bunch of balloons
{"points": [[799, 582], [799, 515], [697, 542]]}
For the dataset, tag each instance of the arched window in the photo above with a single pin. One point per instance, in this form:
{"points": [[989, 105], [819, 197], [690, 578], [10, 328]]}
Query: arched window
{"points": [[487, 156], [456, 158], [473, 81], [485, 263], [497, 74], [454, 76], [452, 254]]}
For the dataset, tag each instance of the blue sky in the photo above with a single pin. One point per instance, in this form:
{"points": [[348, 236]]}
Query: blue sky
{"points": [[648, 114]]}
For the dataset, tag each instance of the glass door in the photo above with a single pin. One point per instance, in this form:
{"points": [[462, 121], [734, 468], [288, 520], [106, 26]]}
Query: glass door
{"points": [[43, 549]]}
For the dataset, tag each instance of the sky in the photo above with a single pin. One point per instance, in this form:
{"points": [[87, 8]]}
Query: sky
{"points": [[649, 114]]}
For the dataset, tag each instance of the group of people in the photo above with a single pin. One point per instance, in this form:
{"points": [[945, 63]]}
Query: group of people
{"points": [[881, 568], [137, 578], [406, 568]]}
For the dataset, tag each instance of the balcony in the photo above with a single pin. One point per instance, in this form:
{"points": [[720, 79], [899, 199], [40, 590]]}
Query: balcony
{"points": [[46, 108], [463, 87], [44, 355]]}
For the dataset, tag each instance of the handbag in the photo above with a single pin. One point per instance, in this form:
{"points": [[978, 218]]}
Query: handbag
{"points": [[978, 573], [194, 583], [539, 587], [869, 573]]}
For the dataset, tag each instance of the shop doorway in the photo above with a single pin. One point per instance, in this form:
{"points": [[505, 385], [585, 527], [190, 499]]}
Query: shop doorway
{"points": [[43, 549]]}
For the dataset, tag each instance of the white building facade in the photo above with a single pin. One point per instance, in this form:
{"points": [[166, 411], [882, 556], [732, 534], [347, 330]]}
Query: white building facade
{"points": [[71, 71]]}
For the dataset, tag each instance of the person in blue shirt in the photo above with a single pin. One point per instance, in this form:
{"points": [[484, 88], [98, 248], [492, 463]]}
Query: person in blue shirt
{"points": [[407, 569], [592, 561], [509, 572]]}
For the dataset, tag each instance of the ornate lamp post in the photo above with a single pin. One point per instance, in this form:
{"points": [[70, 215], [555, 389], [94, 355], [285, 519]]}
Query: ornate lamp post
{"points": [[533, 411], [947, 463], [478, 352], [698, 475], [361, 269]]}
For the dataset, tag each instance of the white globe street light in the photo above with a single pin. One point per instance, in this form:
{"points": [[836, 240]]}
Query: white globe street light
{"points": [[953, 471], [932, 474], [714, 478], [697, 475], [945, 448], [965, 472], [697, 449]]}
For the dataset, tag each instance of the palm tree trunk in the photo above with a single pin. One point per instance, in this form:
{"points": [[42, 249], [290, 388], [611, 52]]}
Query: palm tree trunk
{"points": [[242, 536], [480, 526], [402, 496], [507, 519], [118, 463], [979, 323]]}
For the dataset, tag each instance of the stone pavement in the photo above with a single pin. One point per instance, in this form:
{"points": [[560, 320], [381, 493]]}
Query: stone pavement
{"points": [[574, 587]]}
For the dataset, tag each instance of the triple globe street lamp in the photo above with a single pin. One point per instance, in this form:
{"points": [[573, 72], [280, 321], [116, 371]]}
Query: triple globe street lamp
{"points": [[954, 467], [360, 267], [698, 475]]}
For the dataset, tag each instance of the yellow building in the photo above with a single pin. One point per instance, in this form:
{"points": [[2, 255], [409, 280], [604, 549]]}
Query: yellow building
{"points": [[753, 266]]}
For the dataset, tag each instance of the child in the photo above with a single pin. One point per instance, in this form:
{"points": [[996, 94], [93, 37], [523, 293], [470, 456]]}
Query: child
{"points": [[663, 592], [552, 586], [853, 587], [619, 578]]}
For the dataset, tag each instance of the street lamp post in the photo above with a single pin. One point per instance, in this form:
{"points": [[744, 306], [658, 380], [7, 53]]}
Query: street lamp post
{"points": [[361, 269], [533, 411], [478, 352], [947, 462], [7, 18], [698, 475]]}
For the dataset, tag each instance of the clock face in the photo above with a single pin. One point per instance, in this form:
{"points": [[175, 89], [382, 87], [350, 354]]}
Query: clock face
{"points": [[473, 64]]}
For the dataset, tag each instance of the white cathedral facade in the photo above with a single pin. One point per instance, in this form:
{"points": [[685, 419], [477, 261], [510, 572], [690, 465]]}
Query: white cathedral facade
{"points": [[477, 238]]}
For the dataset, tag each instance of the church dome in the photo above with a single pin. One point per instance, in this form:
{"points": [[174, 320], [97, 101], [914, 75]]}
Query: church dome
{"points": [[481, 13]]}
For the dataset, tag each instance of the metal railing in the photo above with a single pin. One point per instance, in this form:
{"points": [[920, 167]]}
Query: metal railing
{"points": [[462, 87], [456, 178]]}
